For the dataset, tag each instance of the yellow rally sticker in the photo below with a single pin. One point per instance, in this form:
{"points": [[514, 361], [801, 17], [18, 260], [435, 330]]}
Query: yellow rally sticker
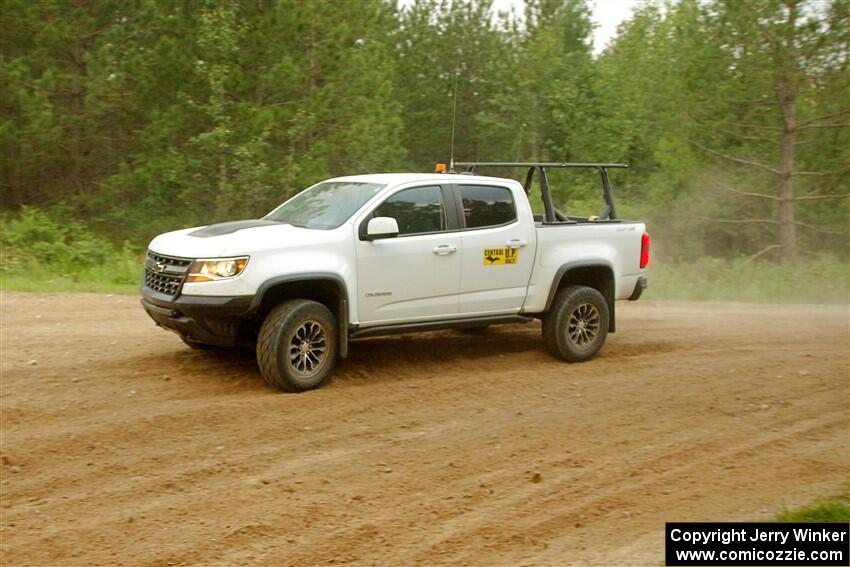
{"points": [[495, 256]]}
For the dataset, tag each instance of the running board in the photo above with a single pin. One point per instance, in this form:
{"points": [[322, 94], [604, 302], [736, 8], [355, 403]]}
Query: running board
{"points": [[437, 325]]}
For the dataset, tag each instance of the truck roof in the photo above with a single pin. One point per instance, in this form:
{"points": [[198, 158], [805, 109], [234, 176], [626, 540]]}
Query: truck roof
{"points": [[397, 178]]}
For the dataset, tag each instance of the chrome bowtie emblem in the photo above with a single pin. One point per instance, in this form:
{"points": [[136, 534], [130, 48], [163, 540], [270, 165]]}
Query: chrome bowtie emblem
{"points": [[160, 266]]}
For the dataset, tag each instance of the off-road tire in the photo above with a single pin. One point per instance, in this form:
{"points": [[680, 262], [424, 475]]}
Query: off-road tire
{"points": [[563, 333], [279, 353]]}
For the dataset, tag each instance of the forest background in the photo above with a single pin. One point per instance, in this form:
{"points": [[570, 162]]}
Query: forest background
{"points": [[123, 119]]}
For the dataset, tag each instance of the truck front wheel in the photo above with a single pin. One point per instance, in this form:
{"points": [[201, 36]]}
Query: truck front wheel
{"points": [[576, 326], [297, 346]]}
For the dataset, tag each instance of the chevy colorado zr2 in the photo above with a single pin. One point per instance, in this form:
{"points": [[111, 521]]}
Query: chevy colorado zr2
{"points": [[369, 255]]}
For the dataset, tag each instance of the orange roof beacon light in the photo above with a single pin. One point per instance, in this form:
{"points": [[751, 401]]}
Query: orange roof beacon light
{"points": [[440, 168]]}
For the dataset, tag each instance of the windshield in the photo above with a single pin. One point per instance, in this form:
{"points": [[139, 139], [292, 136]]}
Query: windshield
{"points": [[326, 205]]}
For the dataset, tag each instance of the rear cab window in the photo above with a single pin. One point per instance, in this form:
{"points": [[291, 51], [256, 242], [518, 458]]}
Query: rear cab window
{"points": [[486, 206]]}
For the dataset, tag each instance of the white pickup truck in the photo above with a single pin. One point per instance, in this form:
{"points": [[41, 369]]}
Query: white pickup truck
{"points": [[368, 255]]}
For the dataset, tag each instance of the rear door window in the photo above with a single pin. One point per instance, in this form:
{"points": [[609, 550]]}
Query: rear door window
{"points": [[486, 206]]}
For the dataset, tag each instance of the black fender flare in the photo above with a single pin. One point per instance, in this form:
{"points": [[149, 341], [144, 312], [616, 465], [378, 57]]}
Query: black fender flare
{"points": [[576, 264], [342, 309]]}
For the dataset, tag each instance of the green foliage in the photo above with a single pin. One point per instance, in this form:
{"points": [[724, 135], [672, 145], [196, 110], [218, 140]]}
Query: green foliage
{"points": [[148, 115], [823, 510], [43, 251]]}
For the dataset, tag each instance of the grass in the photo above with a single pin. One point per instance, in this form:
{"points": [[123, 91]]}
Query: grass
{"points": [[63, 283], [821, 279], [823, 510], [116, 275], [46, 251]]}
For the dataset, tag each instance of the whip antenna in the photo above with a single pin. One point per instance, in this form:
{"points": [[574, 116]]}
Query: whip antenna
{"points": [[454, 116]]}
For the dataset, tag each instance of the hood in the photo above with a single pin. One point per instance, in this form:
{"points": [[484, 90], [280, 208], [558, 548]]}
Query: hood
{"points": [[234, 238]]}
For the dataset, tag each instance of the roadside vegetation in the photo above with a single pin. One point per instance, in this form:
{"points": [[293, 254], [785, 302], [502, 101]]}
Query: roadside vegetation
{"points": [[819, 279], [823, 510], [47, 251], [50, 252]]}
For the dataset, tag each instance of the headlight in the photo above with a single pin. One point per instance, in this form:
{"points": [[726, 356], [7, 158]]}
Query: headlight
{"points": [[218, 269]]}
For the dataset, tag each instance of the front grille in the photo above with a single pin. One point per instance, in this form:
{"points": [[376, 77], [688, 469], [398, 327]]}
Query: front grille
{"points": [[165, 274]]}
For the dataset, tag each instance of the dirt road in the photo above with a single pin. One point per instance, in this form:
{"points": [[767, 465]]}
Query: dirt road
{"points": [[122, 446]]}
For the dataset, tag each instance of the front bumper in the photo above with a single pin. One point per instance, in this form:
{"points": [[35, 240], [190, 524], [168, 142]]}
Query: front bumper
{"points": [[210, 320]]}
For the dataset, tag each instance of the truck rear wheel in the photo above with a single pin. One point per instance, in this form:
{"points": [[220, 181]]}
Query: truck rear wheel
{"points": [[297, 346], [576, 326]]}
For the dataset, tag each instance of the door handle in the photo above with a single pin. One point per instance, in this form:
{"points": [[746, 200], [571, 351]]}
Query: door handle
{"points": [[445, 249], [516, 243]]}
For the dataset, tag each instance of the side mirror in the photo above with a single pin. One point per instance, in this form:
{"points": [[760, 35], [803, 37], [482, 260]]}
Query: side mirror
{"points": [[381, 227]]}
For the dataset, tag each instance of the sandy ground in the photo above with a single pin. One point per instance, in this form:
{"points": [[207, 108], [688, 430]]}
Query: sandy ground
{"points": [[122, 446]]}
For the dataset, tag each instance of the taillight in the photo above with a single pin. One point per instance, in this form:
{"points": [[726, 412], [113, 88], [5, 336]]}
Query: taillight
{"points": [[644, 250]]}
